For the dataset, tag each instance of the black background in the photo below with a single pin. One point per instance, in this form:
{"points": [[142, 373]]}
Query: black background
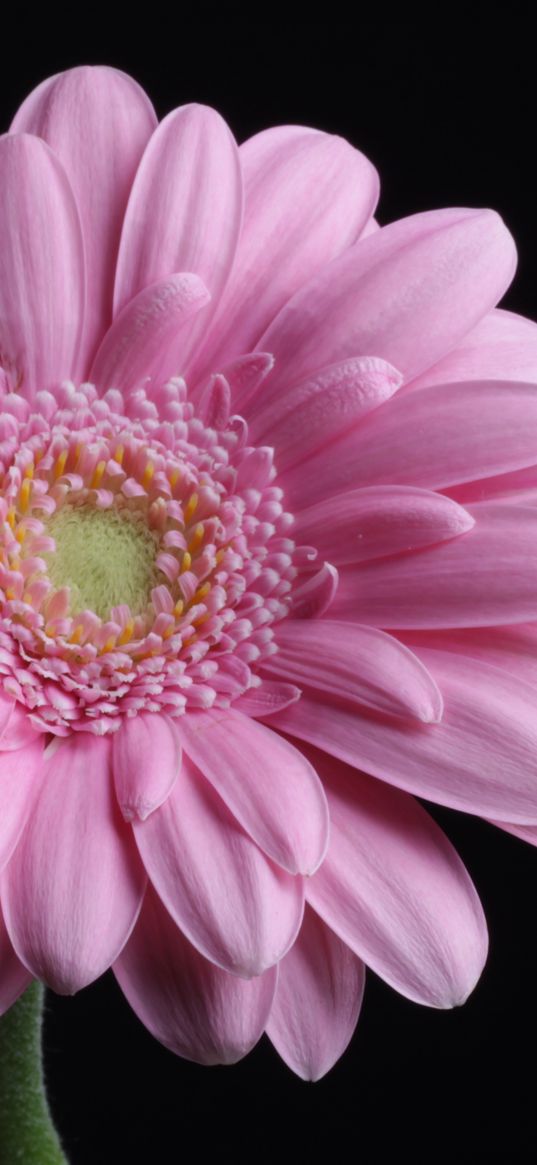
{"points": [[445, 105]]}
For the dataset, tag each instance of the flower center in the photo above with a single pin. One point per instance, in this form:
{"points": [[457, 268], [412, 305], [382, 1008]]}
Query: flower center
{"points": [[104, 557]]}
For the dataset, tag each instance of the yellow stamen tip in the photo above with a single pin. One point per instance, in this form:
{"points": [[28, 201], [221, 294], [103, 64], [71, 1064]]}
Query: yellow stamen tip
{"points": [[98, 474], [179, 608], [197, 538], [187, 562], [60, 463], [24, 495], [110, 644], [11, 518], [127, 633], [191, 507], [148, 473], [119, 454], [78, 632]]}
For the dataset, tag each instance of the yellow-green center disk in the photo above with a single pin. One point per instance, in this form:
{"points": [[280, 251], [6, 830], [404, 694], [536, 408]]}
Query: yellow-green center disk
{"points": [[105, 557]]}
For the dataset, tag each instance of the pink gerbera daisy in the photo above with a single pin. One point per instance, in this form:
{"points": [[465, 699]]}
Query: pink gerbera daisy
{"points": [[264, 481]]}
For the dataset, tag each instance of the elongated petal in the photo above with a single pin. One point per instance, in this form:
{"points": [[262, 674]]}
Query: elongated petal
{"points": [[356, 664], [20, 776], [146, 756], [307, 197], [145, 338], [98, 122], [408, 293], [317, 411], [185, 209], [318, 1000], [197, 1010], [14, 977], [238, 910], [74, 885], [268, 785], [486, 577], [394, 889], [434, 438], [523, 832], [378, 521], [481, 758], [512, 649], [40, 325], [502, 346]]}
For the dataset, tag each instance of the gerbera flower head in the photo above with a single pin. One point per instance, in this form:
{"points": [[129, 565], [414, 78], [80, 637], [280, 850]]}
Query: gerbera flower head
{"points": [[264, 480]]}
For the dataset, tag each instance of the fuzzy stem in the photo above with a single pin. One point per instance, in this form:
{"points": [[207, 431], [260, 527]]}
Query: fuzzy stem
{"points": [[27, 1134]]}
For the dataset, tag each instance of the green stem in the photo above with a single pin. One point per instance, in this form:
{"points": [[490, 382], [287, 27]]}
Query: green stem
{"points": [[27, 1134]]}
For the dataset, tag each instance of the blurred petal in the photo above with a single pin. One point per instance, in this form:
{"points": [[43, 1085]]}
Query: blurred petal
{"points": [[14, 978]]}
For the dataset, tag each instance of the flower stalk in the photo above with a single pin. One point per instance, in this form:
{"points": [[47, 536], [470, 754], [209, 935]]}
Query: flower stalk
{"points": [[27, 1134]]}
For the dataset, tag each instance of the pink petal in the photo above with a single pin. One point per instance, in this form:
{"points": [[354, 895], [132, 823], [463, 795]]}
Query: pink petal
{"points": [[378, 521], [145, 339], [73, 888], [270, 788], [356, 664], [307, 197], [408, 293], [20, 777], [393, 888], [481, 757], [318, 1000], [434, 438], [195, 1009], [16, 728], [98, 122], [146, 756], [317, 411], [502, 346], [512, 649], [185, 209], [523, 832], [312, 598], [271, 696], [40, 325], [238, 910], [486, 577], [14, 978]]}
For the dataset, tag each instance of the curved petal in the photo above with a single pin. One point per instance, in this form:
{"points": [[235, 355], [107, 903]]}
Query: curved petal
{"points": [[512, 649], [307, 197], [20, 777], [523, 832], [356, 665], [266, 782], [14, 978], [378, 521], [237, 909], [195, 1009], [185, 209], [408, 293], [73, 888], [394, 889], [502, 346], [317, 411], [433, 438], [318, 1000], [40, 325], [98, 121], [146, 757], [270, 696], [483, 578], [481, 757], [145, 339]]}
